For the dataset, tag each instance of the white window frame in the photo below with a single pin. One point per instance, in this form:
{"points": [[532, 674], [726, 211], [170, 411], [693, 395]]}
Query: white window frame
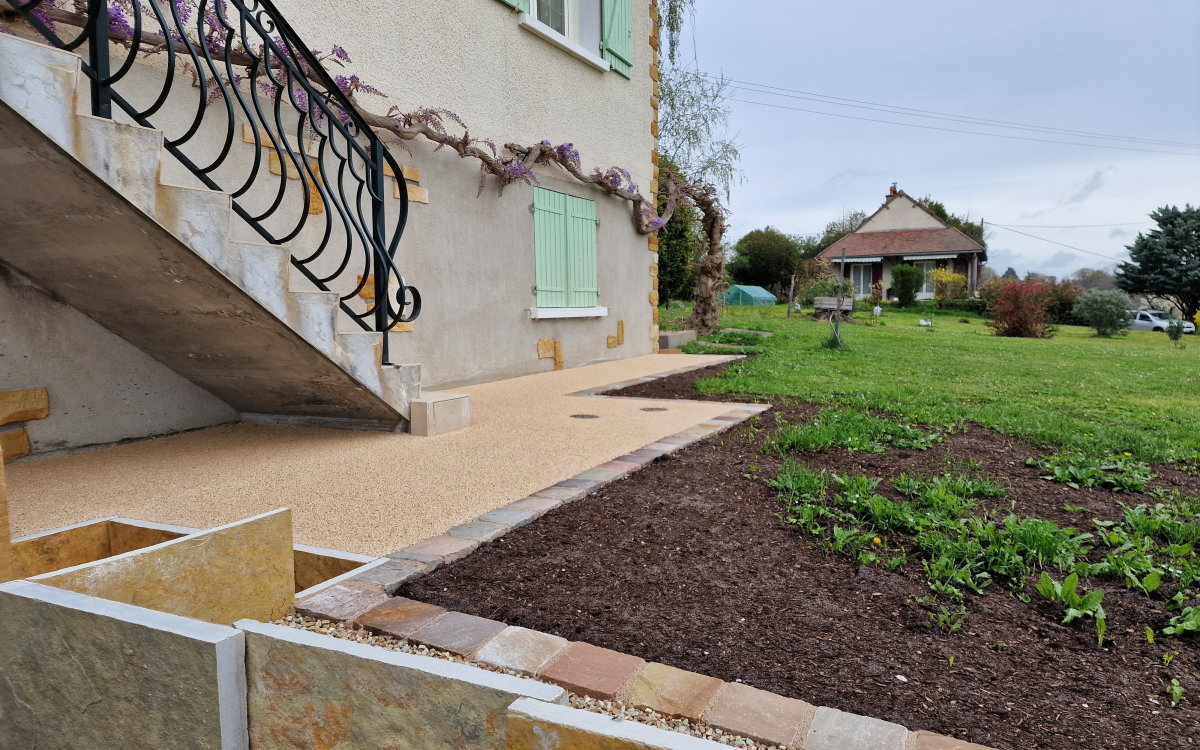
{"points": [[865, 273], [926, 290], [530, 23]]}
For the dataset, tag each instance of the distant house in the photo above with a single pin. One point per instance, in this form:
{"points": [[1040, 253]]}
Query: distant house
{"points": [[903, 232]]}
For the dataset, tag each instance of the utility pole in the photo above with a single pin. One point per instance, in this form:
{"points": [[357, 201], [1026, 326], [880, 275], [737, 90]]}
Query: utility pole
{"points": [[791, 295]]}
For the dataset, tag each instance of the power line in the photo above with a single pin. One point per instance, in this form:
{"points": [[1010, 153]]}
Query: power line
{"points": [[1078, 226], [968, 132], [1052, 242], [966, 119]]}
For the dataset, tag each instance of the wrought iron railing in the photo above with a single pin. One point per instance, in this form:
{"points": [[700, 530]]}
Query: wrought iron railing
{"points": [[249, 67]]}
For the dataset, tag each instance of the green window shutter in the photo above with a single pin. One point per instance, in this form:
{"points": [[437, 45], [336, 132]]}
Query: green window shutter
{"points": [[522, 5], [582, 287], [550, 247], [616, 35]]}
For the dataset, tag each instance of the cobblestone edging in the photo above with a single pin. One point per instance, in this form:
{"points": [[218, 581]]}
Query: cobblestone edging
{"points": [[364, 608]]}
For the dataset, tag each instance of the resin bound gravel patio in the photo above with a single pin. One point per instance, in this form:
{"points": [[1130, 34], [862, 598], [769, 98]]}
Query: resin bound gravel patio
{"points": [[364, 492], [686, 563]]}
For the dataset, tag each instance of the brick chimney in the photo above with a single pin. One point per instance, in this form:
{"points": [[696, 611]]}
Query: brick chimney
{"points": [[892, 190]]}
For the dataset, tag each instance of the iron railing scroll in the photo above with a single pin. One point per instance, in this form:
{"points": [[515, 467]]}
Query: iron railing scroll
{"points": [[249, 66]]}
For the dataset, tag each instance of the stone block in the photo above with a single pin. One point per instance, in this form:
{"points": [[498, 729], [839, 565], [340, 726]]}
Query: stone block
{"points": [[22, 406], [664, 447], [398, 617], [510, 517], [391, 575], [612, 342], [341, 602], [521, 650], [14, 444], [930, 741], [431, 562], [416, 194], [539, 505], [562, 494], [83, 672], [675, 339], [759, 715], [448, 548], [481, 531], [243, 569], [637, 457], [593, 671], [436, 413], [7, 565], [457, 633], [833, 730], [672, 691], [533, 725], [621, 332], [545, 348], [577, 483], [622, 466], [558, 354], [307, 690], [601, 475]]}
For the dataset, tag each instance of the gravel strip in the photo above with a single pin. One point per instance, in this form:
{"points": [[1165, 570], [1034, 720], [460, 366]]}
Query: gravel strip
{"points": [[618, 711]]}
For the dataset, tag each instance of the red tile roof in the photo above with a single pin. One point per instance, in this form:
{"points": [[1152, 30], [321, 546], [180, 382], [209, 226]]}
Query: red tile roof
{"points": [[902, 242]]}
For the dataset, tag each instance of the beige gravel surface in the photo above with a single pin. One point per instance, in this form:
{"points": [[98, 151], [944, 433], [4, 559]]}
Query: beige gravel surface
{"points": [[370, 493]]}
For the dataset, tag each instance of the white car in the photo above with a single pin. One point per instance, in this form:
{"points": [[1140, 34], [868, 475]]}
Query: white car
{"points": [[1156, 320]]}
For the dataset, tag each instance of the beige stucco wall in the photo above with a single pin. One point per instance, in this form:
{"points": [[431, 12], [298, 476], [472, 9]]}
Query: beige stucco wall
{"points": [[471, 57], [901, 213]]}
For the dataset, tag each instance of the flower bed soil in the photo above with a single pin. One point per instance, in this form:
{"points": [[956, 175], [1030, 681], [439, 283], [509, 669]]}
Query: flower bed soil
{"points": [[686, 563]]}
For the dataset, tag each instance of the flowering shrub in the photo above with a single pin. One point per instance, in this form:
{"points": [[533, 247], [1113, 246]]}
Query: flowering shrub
{"points": [[876, 295], [1021, 310], [1061, 308], [947, 284]]}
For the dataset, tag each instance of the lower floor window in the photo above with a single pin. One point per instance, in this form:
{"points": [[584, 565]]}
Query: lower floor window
{"points": [[860, 279], [564, 236]]}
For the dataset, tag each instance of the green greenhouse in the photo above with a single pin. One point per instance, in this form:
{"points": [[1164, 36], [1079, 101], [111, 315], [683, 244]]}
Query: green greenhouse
{"points": [[747, 296]]}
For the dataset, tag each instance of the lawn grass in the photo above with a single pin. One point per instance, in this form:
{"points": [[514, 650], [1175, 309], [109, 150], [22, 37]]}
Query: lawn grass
{"points": [[1132, 394]]}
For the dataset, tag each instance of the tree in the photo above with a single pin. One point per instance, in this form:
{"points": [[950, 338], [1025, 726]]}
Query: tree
{"points": [[906, 280], [972, 229], [1010, 273], [1106, 310], [1093, 278], [680, 244], [1166, 261], [987, 273], [766, 258], [843, 225]]}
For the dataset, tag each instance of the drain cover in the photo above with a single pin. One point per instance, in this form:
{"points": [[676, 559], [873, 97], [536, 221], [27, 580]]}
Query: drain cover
{"points": [[584, 416], [654, 408]]}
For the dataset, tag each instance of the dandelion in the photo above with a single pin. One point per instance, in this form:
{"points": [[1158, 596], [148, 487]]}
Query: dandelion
{"points": [[877, 540], [1127, 453]]}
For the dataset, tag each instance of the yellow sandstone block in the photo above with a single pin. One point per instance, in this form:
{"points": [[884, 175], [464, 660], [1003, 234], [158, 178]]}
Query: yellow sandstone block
{"points": [[400, 327], [655, 282], [409, 173], [6, 560], [22, 406], [621, 331], [545, 348], [14, 444], [612, 342], [653, 270], [654, 75], [558, 354], [653, 243], [315, 204], [368, 289], [654, 298], [242, 570], [415, 194], [654, 333], [656, 315]]}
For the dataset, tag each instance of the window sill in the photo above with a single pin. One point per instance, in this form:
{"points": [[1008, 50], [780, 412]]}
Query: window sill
{"points": [[531, 24], [545, 313]]}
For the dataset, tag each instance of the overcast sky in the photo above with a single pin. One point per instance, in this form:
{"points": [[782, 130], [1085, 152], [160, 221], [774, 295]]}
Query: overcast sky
{"points": [[1119, 68]]}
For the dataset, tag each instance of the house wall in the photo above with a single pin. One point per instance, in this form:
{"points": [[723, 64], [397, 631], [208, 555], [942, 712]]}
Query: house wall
{"points": [[900, 213], [102, 389], [472, 257]]}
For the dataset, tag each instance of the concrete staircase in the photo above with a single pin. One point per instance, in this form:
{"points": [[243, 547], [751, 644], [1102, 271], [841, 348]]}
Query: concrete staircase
{"points": [[90, 217]]}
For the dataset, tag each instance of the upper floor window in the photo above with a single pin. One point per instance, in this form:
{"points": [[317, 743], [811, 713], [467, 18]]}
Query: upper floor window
{"points": [[553, 13]]}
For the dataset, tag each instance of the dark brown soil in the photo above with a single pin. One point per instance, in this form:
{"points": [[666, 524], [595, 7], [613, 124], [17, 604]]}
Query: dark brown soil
{"points": [[686, 563]]}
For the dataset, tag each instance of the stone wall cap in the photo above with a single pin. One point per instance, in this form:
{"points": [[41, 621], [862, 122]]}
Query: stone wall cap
{"points": [[603, 725], [150, 618], [539, 691]]}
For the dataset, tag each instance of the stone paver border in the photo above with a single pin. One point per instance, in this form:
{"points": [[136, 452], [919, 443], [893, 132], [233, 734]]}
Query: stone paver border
{"points": [[608, 675]]}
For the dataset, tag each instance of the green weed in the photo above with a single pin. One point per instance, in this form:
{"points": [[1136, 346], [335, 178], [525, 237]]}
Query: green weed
{"points": [[947, 621], [1187, 621], [1075, 469], [1077, 607], [1175, 692], [853, 430]]}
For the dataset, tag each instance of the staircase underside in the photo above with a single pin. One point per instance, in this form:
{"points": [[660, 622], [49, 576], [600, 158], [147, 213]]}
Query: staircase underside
{"points": [[71, 232]]}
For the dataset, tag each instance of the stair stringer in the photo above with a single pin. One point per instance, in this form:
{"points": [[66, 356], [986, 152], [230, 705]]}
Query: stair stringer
{"points": [[43, 85]]}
